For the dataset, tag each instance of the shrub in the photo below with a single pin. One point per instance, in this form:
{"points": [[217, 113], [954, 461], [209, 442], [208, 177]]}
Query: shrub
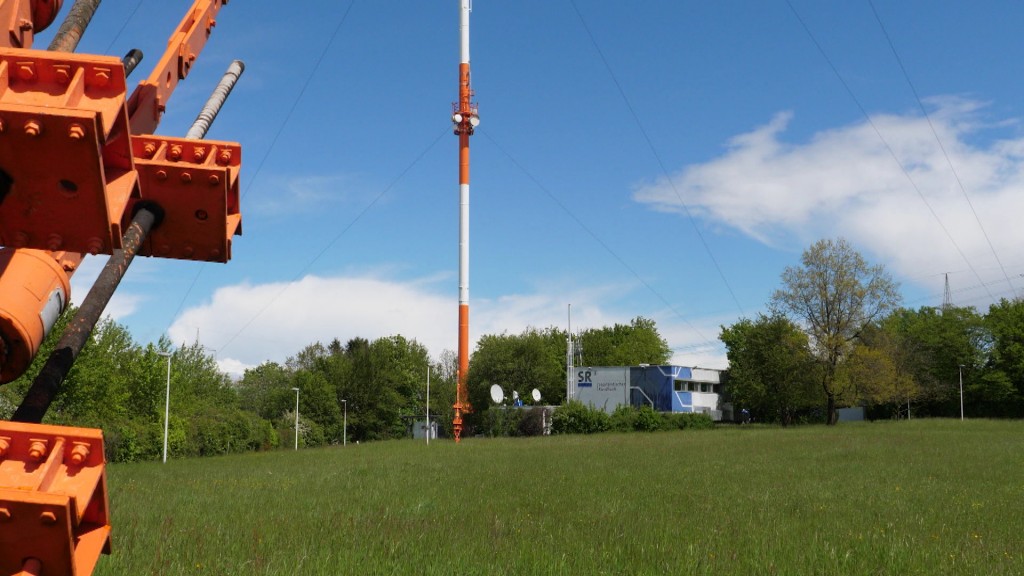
{"points": [[691, 421], [499, 421], [623, 419], [578, 418], [532, 422], [648, 420], [574, 417]]}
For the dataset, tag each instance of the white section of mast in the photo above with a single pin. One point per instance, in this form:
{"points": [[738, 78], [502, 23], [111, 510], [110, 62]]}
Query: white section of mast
{"points": [[465, 9]]}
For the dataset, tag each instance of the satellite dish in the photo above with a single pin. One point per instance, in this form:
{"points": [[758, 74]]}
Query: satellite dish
{"points": [[497, 394], [536, 395]]}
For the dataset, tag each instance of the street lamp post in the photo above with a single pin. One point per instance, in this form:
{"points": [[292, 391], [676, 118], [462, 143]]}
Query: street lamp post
{"points": [[344, 428], [961, 392], [167, 401], [296, 418], [429, 429]]}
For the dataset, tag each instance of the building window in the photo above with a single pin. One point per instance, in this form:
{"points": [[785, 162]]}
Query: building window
{"points": [[680, 386], [705, 387]]}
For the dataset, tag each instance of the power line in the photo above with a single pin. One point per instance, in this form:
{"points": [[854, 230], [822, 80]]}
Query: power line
{"points": [[123, 26], [298, 98], [885, 143], [592, 234], [657, 157], [273, 141], [935, 133], [337, 237]]}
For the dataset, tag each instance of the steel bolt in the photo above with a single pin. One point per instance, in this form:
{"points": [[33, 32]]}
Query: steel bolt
{"points": [[214, 179], [25, 24], [37, 450], [5, 445], [199, 153], [5, 514], [175, 152], [186, 178], [101, 78], [54, 242], [79, 453], [76, 132], [33, 128], [149, 149], [225, 157], [2, 126], [26, 72], [48, 518], [94, 246], [161, 175]]}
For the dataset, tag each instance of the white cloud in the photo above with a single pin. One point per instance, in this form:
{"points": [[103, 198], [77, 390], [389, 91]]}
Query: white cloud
{"points": [[847, 182], [249, 324], [122, 303]]}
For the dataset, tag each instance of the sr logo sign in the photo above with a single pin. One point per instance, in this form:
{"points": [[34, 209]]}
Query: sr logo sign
{"points": [[583, 379]]}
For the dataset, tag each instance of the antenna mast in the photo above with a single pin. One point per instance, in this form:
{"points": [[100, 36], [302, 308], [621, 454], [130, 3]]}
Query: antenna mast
{"points": [[465, 118], [568, 360], [947, 298]]}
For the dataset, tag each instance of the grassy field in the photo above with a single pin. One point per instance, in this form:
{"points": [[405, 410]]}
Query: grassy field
{"points": [[924, 497]]}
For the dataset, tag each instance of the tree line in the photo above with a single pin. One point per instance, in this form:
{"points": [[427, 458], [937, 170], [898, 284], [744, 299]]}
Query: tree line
{"points": [[357, 391], [836, 336]]}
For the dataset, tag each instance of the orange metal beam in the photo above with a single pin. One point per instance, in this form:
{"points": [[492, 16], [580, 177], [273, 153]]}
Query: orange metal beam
{"points": [[21, 19], [53, 499], [148, 102], [73, 167]]}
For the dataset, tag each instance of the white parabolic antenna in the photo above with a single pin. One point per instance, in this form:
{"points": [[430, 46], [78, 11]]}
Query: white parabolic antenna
{"points": [[536, 395], [497, 394]]}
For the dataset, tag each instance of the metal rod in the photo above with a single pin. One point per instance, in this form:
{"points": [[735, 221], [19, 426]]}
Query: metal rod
{"points": [[47, 384], [167, 402], [216, 101], [71, 30], [429, 429], [131, 60]]}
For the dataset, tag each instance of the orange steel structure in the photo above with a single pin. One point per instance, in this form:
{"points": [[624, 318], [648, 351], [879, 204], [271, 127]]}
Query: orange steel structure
{"points": [[22, 19], [53, 499], [77, 163], [465, 117]]}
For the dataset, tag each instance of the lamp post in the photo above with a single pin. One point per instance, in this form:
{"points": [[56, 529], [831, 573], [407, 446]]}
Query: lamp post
{"points": [[961, 392], [167, 401], [429, 429], [344, 426], [296, 418]]}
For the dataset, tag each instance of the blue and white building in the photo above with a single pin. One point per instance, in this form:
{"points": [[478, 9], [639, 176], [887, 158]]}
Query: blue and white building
{"points": [[664, 388]]}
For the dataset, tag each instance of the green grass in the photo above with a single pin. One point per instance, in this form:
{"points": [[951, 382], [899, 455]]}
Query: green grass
{"points": [[925, 497]]}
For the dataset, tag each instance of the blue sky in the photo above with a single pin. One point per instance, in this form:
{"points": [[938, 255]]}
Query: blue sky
{"points": [[665, 159]]}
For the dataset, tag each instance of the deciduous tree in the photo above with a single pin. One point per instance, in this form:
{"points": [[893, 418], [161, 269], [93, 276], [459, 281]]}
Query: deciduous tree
{"points": [[771, 369], [834, 293]]}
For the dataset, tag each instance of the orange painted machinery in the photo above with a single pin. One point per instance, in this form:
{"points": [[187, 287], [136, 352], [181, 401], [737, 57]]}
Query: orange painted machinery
{"points": [[81, 173], [53, 499]]}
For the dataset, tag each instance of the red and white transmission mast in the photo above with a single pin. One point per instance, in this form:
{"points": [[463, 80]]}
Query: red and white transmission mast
{"points": [[465, 118]]}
